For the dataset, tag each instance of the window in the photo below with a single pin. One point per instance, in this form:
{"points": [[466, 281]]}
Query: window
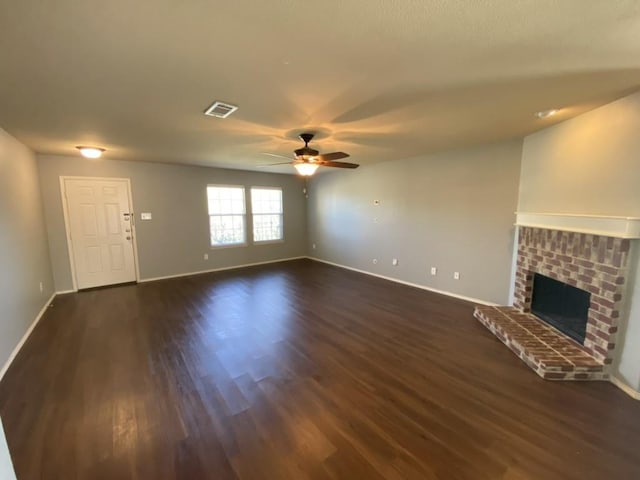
{"points": [[226, 215], [266, 206]]}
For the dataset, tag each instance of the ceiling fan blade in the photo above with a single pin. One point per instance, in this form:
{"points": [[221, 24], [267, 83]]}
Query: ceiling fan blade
{"points": [[339, 164], [327, 157], [277, 155], [274, 164]]}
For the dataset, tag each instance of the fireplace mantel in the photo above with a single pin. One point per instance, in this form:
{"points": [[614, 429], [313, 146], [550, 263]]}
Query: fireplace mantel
{"points": [[609, 226]]}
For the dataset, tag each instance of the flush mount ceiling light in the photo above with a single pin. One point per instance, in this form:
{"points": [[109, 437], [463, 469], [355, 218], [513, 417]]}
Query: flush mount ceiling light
{"points": [[306, 169], [546, 113], [90, 152]]}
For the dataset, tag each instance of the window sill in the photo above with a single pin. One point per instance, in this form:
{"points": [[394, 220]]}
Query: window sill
{"points": [[233, 245], [268, 242]]}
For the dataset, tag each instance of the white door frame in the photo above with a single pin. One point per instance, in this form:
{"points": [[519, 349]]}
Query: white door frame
{"points": [[67, 227]]}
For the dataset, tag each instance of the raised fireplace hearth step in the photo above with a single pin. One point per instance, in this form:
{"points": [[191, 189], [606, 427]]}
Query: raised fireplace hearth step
{"points": [[549, 353]]}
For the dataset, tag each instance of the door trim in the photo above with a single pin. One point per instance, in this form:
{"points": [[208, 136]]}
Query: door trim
{"points": [[67, 227]]}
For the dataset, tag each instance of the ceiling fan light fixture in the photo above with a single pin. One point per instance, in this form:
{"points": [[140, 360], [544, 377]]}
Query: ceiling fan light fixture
{"points": [[307, 160], [306, 169], [90, 152]]}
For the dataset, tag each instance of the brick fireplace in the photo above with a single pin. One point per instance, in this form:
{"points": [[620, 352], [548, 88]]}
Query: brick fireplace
{"points": [[593, 262]]}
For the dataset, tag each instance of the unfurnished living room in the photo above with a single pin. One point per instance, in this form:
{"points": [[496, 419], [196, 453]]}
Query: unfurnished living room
{"points": [[345, 239]]}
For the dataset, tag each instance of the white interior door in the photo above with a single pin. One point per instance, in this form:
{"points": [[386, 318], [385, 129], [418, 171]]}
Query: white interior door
{"points": [[101, 232]]}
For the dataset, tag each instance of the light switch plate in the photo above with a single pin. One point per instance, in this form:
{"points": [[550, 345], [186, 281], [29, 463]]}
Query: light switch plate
{"points": [[145, 216]]}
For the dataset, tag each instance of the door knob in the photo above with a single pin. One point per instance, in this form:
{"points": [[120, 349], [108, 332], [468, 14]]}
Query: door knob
{"points": [[128, 237]]}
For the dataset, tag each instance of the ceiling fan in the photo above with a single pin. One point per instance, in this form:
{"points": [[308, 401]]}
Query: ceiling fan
{"points": [[307, 160]]}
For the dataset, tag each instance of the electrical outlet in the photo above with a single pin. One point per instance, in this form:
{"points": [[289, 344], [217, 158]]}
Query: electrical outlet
{"points": [[206, 256], [434, 271], [41, 287], [313, 246], [456, 275], [394, 262], [375, 261]]}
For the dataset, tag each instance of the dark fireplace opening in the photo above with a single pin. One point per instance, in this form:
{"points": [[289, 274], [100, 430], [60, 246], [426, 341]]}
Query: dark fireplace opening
{"points": [[561, 305]]}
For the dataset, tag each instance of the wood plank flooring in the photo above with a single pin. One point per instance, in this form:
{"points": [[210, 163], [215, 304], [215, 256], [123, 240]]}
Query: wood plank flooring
{"points": [[296, 370]]}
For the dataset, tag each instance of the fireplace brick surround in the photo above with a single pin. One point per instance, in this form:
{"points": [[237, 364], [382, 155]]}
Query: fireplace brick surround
{"points": [[595, 263]]}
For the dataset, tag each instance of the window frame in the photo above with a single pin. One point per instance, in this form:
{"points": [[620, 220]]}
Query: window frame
{"points": [[245, 242], [253, 214]]}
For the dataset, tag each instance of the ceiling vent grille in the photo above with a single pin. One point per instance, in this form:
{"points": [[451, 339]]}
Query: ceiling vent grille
{"points": [[220, 110]]}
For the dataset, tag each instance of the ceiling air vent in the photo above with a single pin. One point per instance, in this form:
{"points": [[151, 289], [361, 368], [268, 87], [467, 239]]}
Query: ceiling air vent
{"points": [[220, 110]]}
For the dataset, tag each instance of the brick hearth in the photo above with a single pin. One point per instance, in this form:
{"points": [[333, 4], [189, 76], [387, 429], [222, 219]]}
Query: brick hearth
{"points": [[549, 353], [595, 263]]}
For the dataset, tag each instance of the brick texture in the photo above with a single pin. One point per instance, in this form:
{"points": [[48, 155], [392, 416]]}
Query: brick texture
{"points": [[548, 352], [593, 263]]}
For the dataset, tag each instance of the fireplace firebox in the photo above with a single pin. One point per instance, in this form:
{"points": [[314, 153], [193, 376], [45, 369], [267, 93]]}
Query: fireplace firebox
{"points": [[561, 305]]}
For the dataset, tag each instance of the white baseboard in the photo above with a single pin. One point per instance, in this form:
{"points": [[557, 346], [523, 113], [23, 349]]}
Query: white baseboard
{"points": [[64, 292], [233, 267], [6, 365], [396, 280], [625, 388]]}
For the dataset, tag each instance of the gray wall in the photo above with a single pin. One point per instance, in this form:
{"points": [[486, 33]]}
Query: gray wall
{"points": [[176, 239], [452, 210], [24, 255], [628, 362], [591, 165], [6, 468]]}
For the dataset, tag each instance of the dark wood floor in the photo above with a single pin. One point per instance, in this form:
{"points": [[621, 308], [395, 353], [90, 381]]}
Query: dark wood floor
{"points": [[296, 371]]}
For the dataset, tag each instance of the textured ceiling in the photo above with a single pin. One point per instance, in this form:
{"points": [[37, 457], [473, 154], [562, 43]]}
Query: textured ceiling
{"points": [[380, 79]]}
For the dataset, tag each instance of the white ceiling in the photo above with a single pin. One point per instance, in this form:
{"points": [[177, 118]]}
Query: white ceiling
{"points": [[379, 79]]}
